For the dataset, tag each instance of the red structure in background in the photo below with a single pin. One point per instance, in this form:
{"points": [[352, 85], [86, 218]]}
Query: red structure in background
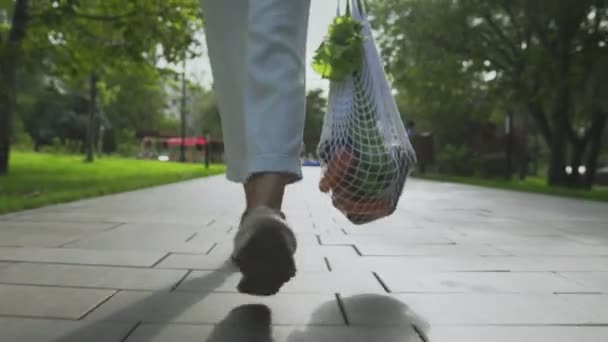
{"points": [[167, 148], [188, 142]]}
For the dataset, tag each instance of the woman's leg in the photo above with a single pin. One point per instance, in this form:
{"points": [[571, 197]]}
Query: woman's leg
{"points": [[257, 50], [226, 31]]}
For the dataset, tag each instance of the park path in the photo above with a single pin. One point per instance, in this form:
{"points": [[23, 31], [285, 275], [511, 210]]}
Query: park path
{"points": [[454, 263]]}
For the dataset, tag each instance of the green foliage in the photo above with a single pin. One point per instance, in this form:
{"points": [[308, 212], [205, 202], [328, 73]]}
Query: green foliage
{"points": [[204, 111], [456, 160], [127, 145], [70, 41], [316, 105], [81, 37], [341, 54], [457, 62], [127, 150], [135, 98], [530, 184], [22, 141], [41, 179], [67, 147]]}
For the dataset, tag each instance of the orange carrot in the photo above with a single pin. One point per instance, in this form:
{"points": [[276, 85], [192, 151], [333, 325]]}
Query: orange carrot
{"points": [[336, 169], [365, 208]]}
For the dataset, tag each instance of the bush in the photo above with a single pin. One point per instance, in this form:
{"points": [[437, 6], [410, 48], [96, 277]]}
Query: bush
{"points": [[126, 143], [127, 150], [63, 147], [23, 142], [492, 165], [456, 160]]}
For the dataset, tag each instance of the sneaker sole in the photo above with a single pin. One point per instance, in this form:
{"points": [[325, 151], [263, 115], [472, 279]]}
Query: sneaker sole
{"points": [[265, 261]]}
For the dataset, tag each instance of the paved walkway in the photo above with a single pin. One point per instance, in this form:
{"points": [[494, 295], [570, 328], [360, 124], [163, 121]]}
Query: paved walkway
{"points": [[455, 263]]}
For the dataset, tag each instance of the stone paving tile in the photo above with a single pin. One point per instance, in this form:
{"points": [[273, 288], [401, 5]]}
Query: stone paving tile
{"points": [[478, 226], [519, 334], [582, 227], [196, 262], [303, 253], [181, 307], [406, 237], [565, 249], [489, 309], [191, 227], [49, 302], [304, 262], [90, 276], [480, 282], [597, 281], [547, 263], [40, 215], [304, 282], [40, 330], [597, 239], [595, 305], [396, 248], [41, 226], [46, 234], [487, 230], [505, 238], [404, 264], [232, 330], [123, 238], [81, 256]]}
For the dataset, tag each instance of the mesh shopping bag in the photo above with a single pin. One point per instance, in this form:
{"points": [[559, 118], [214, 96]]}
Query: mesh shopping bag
{"points": [[364, 150]]}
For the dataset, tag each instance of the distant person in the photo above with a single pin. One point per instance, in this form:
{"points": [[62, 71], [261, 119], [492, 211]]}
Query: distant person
{"points": [[257, 51], [410, 128]]}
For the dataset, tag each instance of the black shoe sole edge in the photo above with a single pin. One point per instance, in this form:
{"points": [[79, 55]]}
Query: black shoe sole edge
{"points": [[266, 261]]}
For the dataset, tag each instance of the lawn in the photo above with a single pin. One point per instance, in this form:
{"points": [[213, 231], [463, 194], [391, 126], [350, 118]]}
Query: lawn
{"points": [[37, 179], [530, 184]]}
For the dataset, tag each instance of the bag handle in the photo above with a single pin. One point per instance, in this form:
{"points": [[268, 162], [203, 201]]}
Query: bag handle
{"points": [[339, 10], [360, 6]]}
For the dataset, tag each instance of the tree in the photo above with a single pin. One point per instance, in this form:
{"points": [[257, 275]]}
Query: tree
{"points": [[88, 35], [316, 105], [204, 112], [545, 56]]}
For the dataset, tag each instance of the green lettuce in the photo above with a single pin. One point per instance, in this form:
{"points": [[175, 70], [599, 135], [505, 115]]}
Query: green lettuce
{"points": [[341, 53]]}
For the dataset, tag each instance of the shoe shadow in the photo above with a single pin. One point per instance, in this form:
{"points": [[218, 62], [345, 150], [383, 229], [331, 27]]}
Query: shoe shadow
{"points": [[374, 318], [370, 318], [154, 303], [246, 323]]}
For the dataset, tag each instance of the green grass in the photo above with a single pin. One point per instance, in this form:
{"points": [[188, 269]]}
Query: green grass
{"points": [[530, 184], [38, 179]]}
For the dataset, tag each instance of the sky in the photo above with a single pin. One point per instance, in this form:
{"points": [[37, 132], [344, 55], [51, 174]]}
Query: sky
{"points": [[322, 13]]}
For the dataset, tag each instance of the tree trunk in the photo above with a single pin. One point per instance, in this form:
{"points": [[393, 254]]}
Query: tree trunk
{"points": [[576, 160], [509, 146], [9, 58], [182, 147], [562, 106], [90, 148], [557, 160], [7, 106], [597, 129]]}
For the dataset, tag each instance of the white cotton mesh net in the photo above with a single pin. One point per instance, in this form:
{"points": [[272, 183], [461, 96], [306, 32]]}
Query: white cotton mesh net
{"points": [[364, 150]]}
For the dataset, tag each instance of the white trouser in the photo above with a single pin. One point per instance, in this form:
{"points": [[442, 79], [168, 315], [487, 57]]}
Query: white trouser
{"points": [[257, 50]]}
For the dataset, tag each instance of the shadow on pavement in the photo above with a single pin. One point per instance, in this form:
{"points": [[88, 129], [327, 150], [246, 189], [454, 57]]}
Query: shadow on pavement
{"points": [[371, 317], [154, 301], [377, 318], [246, 323]]}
